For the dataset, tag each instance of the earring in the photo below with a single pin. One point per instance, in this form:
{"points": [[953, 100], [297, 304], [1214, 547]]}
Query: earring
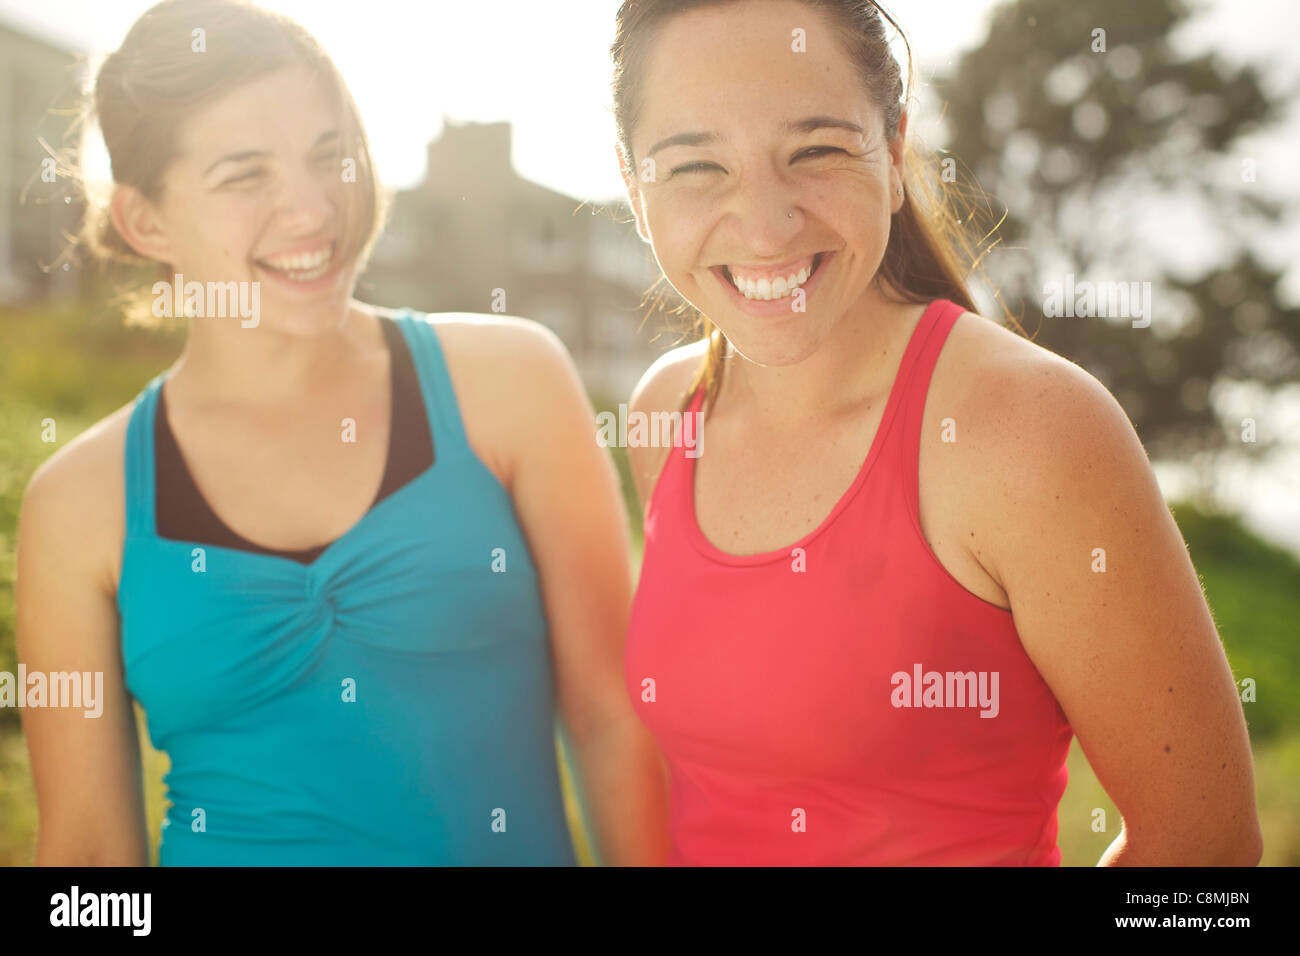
{"points": [[900, 190], [790, 214]]}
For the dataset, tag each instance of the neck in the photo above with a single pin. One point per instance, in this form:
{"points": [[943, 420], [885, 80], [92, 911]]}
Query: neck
{"points": [[855, 363], [263, 366]]}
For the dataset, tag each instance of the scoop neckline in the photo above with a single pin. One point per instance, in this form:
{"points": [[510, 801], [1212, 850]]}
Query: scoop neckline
{"points": [[711, 551], [319, 551]]}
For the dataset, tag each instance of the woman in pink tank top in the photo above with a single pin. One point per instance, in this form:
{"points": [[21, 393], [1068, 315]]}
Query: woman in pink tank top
{"points": [[896, 556]]}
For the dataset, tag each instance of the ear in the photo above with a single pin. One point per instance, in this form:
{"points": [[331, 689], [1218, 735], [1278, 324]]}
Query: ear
{"points": [[137, 221], [633, 194], [896, 160]]}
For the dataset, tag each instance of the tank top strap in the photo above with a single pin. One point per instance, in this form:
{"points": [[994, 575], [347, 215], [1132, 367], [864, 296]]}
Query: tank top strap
{"points": [[929, 339], [687, 444], [139, 455], [696, 402], [440, 403], [671, 486]]}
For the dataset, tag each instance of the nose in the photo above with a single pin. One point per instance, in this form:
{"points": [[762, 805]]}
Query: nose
{"points": [[766, 213], [304, 204]]}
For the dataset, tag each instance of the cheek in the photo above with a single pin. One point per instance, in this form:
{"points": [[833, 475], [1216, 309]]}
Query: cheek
{"points": [[227, 230], [678, 226], [853, 200]]}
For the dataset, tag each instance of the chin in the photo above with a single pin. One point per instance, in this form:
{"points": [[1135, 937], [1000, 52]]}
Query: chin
{"points": [[775, 348], [304, 304], [295, 318]]}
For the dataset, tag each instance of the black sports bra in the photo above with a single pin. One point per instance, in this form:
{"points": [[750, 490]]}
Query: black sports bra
{"points": [[182, 513]]}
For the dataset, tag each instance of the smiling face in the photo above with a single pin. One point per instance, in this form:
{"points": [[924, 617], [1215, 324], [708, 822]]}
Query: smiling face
{"points": [[772, 182], [256, 193]]}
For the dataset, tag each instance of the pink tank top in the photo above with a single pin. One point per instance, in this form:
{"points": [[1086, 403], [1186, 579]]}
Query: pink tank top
{"points": [[843, 700]]}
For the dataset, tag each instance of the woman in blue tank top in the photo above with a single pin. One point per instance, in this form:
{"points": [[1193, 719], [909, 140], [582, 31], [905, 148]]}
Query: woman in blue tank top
{"points": [[338, 675]]}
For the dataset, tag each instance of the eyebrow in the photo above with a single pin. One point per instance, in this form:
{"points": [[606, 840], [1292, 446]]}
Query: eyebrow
{"points": [[813, 123], [248, 154], [808, 125]]}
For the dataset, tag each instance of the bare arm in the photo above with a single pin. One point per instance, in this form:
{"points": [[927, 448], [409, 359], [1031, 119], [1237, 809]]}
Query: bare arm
{"points": [[1131, 651], [567, 497], [86, 769]]}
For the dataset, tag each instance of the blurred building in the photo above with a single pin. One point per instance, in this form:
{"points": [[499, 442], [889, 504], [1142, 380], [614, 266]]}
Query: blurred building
{"points": [[39, 82], [474, 226]]}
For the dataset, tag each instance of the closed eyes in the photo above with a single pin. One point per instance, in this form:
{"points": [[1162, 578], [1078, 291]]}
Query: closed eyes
{"points": [[814, 151], [694, 167], [329, 155], [326, 159], [821, 150], [244, 177]]}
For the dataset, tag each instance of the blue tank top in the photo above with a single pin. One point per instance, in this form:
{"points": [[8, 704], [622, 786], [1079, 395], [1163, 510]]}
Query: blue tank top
{"points": [[389, 703]]}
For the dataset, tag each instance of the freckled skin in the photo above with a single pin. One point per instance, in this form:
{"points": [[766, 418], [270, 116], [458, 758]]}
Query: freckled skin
{"points": [[759, 193]]}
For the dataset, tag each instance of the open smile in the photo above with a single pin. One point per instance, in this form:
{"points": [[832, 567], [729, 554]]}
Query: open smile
{"points": [[771, 290], [301, 266]]}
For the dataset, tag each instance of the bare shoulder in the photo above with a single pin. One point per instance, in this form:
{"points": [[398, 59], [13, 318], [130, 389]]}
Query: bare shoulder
{"points": [[1035, 435], [74, 505], [1020, 396], [663, 388], [497, 346], [512, 376]]}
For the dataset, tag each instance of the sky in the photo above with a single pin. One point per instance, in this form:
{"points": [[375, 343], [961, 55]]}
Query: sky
{"points": [[544, 66], [548, 71]]}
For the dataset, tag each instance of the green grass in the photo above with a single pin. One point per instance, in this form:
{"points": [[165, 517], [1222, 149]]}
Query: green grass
{"points": [[1253, 590]]}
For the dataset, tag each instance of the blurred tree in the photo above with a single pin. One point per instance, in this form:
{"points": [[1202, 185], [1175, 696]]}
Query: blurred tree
{"points": [[1109, 148]]}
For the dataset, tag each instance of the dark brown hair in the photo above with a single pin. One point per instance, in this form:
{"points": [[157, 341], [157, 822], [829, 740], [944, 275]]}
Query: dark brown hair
{"points": [[156, 79], [929, 253]]}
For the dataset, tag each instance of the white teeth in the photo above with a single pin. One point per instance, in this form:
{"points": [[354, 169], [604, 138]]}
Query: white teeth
{"points": [[767, 290], [308, 275], [303, 267]]}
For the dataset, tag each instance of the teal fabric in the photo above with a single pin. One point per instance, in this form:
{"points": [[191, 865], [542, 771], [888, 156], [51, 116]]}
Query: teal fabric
{"points": [[447, 754]]}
